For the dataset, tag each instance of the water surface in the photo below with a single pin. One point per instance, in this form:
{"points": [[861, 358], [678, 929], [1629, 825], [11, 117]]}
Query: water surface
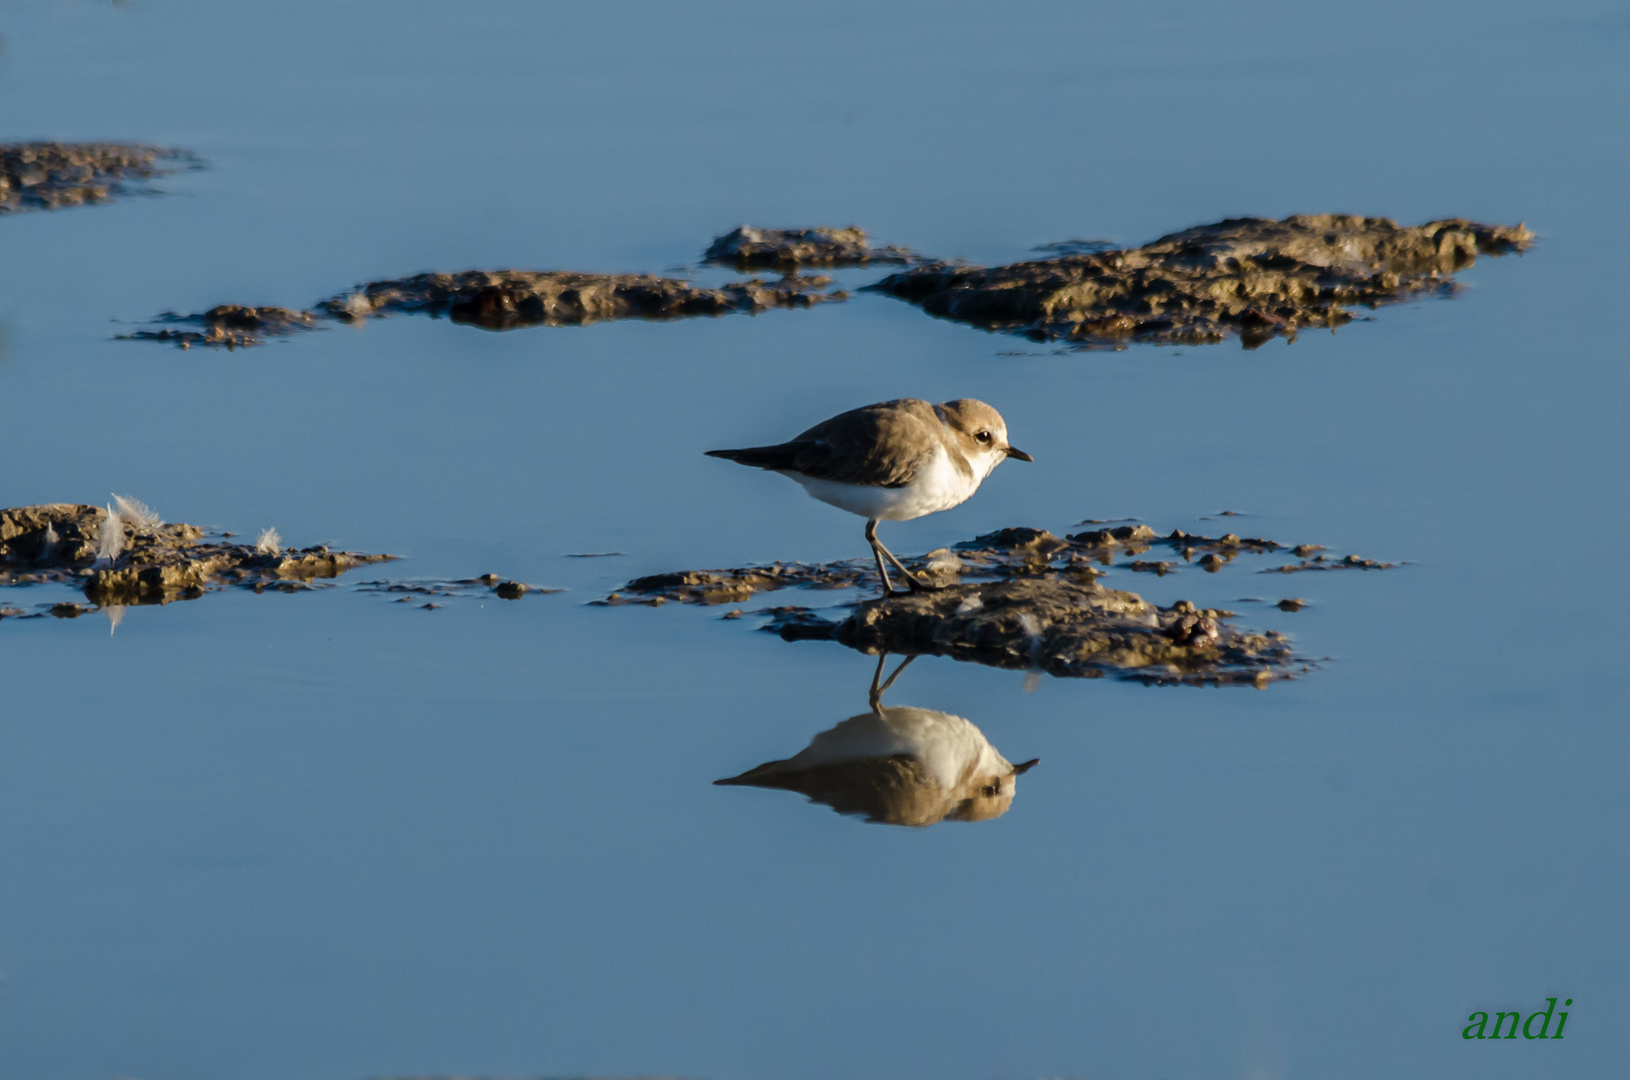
{"points": [[330, 837]]}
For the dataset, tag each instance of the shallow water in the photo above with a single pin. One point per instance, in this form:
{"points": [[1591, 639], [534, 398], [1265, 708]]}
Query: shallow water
{"points": [[329, 836]]}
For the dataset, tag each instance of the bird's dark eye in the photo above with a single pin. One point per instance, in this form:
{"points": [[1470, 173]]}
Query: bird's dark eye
{"points": [[982, 437], [990, 791]]}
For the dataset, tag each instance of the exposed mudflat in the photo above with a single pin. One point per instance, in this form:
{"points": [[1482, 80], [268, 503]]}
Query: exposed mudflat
{"points": [[1248, 277], [497, 300], [127, 556], [53, 175], [504, 299], [1251, 277], [819, 246], [122, 555], [228, 326], [1021, 598]]}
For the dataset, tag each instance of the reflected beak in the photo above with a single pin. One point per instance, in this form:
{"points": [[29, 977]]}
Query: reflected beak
{"points": [[1025, 766], [1014, 451]]}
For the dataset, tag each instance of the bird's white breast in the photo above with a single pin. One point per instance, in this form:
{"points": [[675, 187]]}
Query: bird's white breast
{"points": [[938, 485]]}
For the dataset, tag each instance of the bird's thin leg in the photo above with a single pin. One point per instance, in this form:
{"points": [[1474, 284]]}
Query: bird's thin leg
{"points": [[915, 583], [875, 697], [877, 692], [877, 553]]}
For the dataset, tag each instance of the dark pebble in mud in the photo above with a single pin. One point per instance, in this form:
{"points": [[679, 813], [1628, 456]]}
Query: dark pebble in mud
{"points": [[1251, 277]]}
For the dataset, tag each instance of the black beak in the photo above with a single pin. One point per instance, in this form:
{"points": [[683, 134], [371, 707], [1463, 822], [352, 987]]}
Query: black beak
{"points": [[1025, 766], [1014, 451]]}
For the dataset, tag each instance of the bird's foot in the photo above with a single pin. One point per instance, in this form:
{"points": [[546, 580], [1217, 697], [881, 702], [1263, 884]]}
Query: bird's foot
{"points": [[917, 584]]}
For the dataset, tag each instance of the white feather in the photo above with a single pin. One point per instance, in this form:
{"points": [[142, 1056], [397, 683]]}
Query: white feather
{"points": [[269, 543], [110, 541], [138, 513]]}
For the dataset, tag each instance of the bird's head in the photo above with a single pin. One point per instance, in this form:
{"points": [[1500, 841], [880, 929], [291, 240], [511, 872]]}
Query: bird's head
{"points": [[983, 431]]}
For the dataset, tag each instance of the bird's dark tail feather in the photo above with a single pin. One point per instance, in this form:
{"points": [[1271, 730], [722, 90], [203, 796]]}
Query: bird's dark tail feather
{"points": [[762, 457]]}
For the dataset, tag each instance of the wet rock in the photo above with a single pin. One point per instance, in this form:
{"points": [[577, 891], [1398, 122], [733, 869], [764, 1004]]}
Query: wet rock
{"points": [[820, 246], [1293, 604], [52, 175], [1017, 598], [1248, 277], [228, 326], [155, 562], [497, 300], [505, 299]]}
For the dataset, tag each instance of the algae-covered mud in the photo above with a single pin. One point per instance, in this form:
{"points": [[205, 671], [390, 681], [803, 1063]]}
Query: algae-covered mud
{"points": [[228, 326], [1250, 277], [819, 246], [55, 175], [897, 765], [125, 555], [499, 300], [504, 299], [1023, 598]]}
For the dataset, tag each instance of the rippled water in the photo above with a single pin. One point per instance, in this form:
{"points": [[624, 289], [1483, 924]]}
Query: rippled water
{"points": [[329, 836]]}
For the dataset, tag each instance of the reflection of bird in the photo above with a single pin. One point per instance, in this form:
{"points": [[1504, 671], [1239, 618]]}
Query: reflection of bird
{"points": [[898, 766], [892, 461]]}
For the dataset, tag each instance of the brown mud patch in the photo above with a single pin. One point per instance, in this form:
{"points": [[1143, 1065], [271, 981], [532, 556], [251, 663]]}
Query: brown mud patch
{"points": [[53, 175], [1019, 598], [499, 300], [1251, 277], [822, 245], [228, 326], [151, 562], [505, 299]]}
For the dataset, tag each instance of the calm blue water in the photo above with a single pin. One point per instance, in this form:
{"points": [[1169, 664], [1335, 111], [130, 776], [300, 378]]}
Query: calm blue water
{"points": [[328, 837]]}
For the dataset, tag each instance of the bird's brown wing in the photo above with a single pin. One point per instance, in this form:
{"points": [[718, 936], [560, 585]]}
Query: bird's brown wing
{"points": [[880, 445]]}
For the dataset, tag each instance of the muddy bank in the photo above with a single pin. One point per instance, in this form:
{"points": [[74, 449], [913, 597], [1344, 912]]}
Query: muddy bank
{"points": [[52, 175], [1248, 277], [1020, 598], [505, 299], [496, 300], [124, 555], [823, 245], [228, 326]]}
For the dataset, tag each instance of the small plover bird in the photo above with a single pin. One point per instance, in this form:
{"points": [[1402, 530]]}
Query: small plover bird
{"points": [[892, 461]]}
